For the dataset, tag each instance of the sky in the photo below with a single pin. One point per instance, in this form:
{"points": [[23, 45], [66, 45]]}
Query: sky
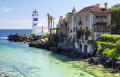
{"points": [[17, 14]]}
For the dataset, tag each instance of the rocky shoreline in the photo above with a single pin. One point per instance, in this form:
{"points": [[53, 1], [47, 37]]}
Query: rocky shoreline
{"points": [[58, 47]]}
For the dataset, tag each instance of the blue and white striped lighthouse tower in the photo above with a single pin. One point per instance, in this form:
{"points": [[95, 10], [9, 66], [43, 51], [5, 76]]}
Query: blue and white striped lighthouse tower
{"points": [[35, 21]]}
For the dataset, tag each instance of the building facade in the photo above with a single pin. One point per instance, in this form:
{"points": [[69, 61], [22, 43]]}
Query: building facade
{"points": [[90, 22]]}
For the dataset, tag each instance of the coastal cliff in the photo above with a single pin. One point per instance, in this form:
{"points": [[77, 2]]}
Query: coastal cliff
{"points": [[68, 50]]}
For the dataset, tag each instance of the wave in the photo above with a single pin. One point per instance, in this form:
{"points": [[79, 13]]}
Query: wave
{"points": [[3, 37]]}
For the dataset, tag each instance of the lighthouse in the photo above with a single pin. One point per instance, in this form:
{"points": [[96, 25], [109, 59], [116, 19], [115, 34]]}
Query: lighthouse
{"points": [[35, 20]]}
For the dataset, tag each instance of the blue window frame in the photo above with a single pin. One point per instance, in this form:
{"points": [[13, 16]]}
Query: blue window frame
{"points": [[35, 19]]}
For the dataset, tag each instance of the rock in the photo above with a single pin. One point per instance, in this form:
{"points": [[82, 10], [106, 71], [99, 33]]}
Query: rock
{"points": [[33, 44], [19, 37], [0, 75], [108, 63], [94, 60]]}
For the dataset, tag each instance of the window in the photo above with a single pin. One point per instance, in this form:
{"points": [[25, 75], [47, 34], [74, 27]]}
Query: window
{"points": [[105, 17], [97, 17], [80, 19], [101, 16], [94, 29], [75, 19], [97, 29], [101, 19], [86, 28], [86, 18], [74, 29], [86, 37], [80, 27]]}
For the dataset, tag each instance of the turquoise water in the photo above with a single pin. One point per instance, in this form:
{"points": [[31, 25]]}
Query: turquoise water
{"points": [[19, 60]]}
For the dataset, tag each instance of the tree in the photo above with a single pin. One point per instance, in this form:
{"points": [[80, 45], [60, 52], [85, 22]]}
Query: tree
{"points": [[80, 33], [51, 19], [88, 33], [48, 15], [115, 17]]}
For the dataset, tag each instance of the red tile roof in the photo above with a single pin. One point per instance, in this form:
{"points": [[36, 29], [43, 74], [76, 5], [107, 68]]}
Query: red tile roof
{"points": [[93, 8]]}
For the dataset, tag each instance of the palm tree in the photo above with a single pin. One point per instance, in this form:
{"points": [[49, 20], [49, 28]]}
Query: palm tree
{"points": [[48, 15], [53, 22], [51, 19]]}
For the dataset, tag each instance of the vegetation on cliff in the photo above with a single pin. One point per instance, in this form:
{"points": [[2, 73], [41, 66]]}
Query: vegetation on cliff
{"points": [[115, 17], [110, 45]]}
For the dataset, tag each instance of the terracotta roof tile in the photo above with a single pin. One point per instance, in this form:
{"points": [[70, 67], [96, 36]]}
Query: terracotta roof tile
{"points": [[93, 8]]}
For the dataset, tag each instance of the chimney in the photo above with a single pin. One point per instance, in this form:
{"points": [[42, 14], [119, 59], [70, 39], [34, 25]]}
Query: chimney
{"points": [[61, 17], [105, 5], [74, 10], [98, 5]]}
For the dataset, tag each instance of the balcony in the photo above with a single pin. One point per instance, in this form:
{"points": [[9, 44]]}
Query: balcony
{"points": [[100, 23], [79, 22]]}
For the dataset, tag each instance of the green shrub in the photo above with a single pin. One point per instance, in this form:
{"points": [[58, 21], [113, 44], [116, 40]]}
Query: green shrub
{"points": [[45, 36], [53, 38], [109, 38], [88, 33], [80, 33], [109, 45], [106, 51], [90, 42], [60, 39], [103, 45], [46, 39]]}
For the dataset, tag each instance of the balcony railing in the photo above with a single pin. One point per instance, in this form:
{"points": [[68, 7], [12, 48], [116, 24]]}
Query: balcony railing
{"points": [[79, 22], [100, 23]]}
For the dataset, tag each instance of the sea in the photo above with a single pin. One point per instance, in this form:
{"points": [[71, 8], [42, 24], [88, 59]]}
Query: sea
{"points": [[17, 59]]}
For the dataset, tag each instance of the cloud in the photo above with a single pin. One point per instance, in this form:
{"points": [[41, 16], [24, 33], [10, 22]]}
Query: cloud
{"points": [[15, 24], [5, 9], [20, 24]]}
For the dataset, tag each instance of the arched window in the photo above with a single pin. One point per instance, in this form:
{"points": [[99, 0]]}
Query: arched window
{"points": [[74, 29], [85, 48], [81, 47], [86, 37]]}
